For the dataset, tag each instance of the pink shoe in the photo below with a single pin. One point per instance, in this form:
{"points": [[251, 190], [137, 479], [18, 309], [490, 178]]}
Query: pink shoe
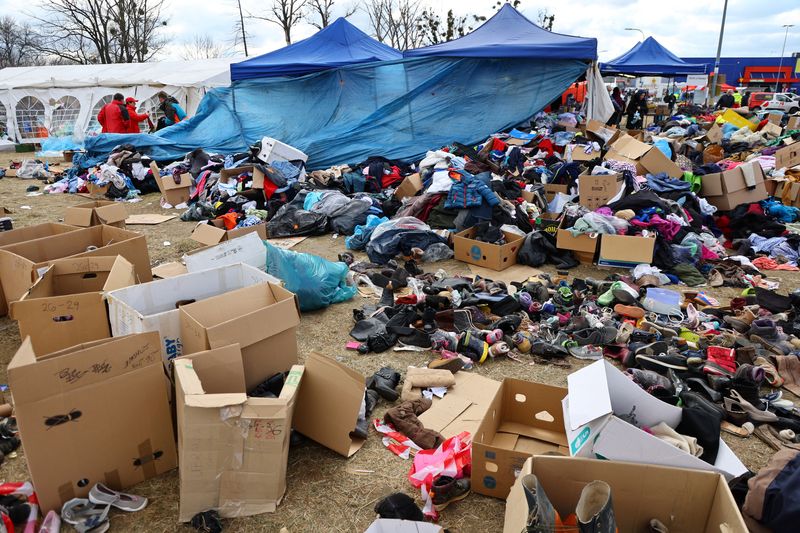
{"points": [[51, 523]]}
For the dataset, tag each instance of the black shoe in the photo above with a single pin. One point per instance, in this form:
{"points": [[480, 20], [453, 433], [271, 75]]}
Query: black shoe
{"points": [[413, 337], [700, 386], [429, 320], [662, 362], [387, 298], [693, 399], [384, 382]]}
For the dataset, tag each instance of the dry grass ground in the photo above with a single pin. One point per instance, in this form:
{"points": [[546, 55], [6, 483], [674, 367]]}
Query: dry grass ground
{"points": [[325, 491]]}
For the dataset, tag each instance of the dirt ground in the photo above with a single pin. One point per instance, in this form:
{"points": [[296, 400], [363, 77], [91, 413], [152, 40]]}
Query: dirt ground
{"points": [[325, 491]]}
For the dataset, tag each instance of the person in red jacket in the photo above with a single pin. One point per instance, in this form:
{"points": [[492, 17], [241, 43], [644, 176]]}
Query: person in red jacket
{"points": [[114, 117], [135, 117]]}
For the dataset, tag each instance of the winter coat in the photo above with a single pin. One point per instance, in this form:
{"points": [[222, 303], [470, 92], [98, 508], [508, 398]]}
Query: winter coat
{"points": [[173, 112], [136, 119], [467, 191], [114, 118]]}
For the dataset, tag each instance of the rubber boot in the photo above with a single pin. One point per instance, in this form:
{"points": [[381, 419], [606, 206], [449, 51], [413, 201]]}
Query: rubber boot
{"points": [[541, 514], [429, 320], [447, 490], [595, 511], [362, 426], [387, 298], [384, 382]]}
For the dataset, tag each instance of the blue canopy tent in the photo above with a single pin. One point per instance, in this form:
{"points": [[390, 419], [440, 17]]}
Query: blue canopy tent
{"points": [[650, 58], [337, 45], [509, 34]]}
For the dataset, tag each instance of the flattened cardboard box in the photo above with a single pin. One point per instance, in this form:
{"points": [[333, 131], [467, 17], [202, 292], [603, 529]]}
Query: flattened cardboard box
{"points": [[793, 124], [410, 186], [683, 500], [173, 193], [94, 413], [96, 213], [233, 448], [262, 319], [20, 263], [214, 232], [523, 419], [65, 306], [494, 256], [152, 306]]}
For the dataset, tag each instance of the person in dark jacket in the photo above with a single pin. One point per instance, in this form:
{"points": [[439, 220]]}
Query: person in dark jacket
{"points": [[114, 117], [637, 109], [725, 101], [169, 106], [619, 108]]}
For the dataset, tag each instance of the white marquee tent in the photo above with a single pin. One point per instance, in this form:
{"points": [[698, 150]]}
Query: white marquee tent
{"points": [[40, 102]]}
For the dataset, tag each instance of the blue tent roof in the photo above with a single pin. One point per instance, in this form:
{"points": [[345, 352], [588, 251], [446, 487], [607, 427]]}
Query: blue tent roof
{"points": [[337, 45], [509, 34], [649, 57]]}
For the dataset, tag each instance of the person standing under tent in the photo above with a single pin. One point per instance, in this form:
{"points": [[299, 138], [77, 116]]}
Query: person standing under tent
{"points": [[636, 111], [619, 107], [670, 100], [114, 117], [169, 106], [136, 118]]}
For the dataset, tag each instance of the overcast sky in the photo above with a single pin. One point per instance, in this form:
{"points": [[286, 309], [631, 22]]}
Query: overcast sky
{"points": [[689, 29]]}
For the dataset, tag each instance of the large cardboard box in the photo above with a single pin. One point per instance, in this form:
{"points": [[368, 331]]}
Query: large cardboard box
{"points": [[788, 156], [646, 157], [578, 153], [96, 213], [494, 256], [248, 249], [626, 251], [726, 190], [596, 190], [524, 419], [214, 232], [605, 411], [584, 247], [601, 132], [173, 193], [65, 306], [20, 263], [683, 500], [410, 186], [793, 123], [93, 413], [154, 306], [463, 407], [262, 319], [233, 448], [257, 181]]}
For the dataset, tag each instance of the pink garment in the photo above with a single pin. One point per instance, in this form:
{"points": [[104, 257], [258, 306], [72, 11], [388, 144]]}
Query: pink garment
{"points": [[606, 211], [706, 254]]}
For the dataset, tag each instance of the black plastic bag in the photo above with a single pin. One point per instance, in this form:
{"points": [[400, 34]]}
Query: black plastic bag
{"points": [[293, 222]]}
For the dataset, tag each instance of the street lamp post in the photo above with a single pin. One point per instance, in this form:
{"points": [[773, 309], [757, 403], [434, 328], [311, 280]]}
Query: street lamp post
{"points": [[783, 51], [713, 90], [636, 29]]}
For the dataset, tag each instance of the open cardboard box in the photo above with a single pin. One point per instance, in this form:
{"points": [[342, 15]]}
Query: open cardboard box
{"points": [[173, 193], [599, 394], [65, 306], [96, 191], [583, 246], [93, 413], [596, 190], [725, 190], [494, 256], [523, 419], [257, 179], [788, 156], [20, 263], [578, 153], [233, 448], [153, 306], [248, 249], [601, 132], [96, 213], [410, 186], [683, 500], [626, 251], [213, 232], [646, 157], [463, 407]]}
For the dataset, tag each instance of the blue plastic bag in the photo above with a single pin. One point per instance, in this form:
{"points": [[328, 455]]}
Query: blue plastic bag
{"points": [[317, 282]]}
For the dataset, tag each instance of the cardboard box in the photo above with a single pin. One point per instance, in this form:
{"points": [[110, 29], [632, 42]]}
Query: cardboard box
{"points": [[714, 134], [173, 193], [578, 153], [410, 186], [646, 157], [772, 129], [523, 419], [94, 413], [625, 251], [233, 448], [599, 394], [214, 232], [274, 150], [601, 132], [395, 525], [793, 124], [494, 256], [227, 174], [262, 319], [96, 191], [551, 189], [248, 249], [788, 156], [726, 190], [596, 191], [463, 407], [683, 500], [774, 117], [787, 191], [20, 263], [96, 213], [65, 306], [152, 306], [584, 247], [328, 405]]}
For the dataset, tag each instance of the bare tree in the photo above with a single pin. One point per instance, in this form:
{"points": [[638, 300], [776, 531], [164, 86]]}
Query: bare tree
{"points": [[286, 14], [320, 12], [545, 19], [204, 47], [18, 44], [395, 22], [101, 31], [435, 31]]}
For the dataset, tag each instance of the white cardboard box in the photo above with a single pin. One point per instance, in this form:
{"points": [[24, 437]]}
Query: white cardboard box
{"points": [[248, 249], [395, 525], [599, 394], [274, 150], [151, 306]]}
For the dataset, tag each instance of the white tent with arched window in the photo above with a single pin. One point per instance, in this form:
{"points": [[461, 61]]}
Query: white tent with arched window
{"points": [[63, 100]]}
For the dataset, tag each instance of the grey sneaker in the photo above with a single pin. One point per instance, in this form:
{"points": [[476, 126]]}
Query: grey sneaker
{"points": [[101, 494], [85, 516]]}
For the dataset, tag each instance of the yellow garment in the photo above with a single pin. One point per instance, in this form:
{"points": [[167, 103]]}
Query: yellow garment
{"points": [[737, 98]]}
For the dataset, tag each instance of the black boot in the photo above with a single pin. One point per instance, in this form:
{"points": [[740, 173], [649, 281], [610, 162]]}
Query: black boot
{"points": [[541, 515], [595, 511], [429, 320], [362, 426], [385, 382], [387, 298]]}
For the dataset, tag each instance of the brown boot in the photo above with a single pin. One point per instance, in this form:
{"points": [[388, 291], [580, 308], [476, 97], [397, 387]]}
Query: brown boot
{"points": [[447, 490], [404, 419]]}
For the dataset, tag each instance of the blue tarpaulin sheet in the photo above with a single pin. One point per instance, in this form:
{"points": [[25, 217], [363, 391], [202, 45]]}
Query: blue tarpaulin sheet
{"points": [[397, 109]]}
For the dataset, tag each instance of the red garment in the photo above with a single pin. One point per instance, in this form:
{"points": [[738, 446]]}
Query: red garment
{"points": [[546, 146], [497, 144], [390, 179], [110, 117], [136, 119]]}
